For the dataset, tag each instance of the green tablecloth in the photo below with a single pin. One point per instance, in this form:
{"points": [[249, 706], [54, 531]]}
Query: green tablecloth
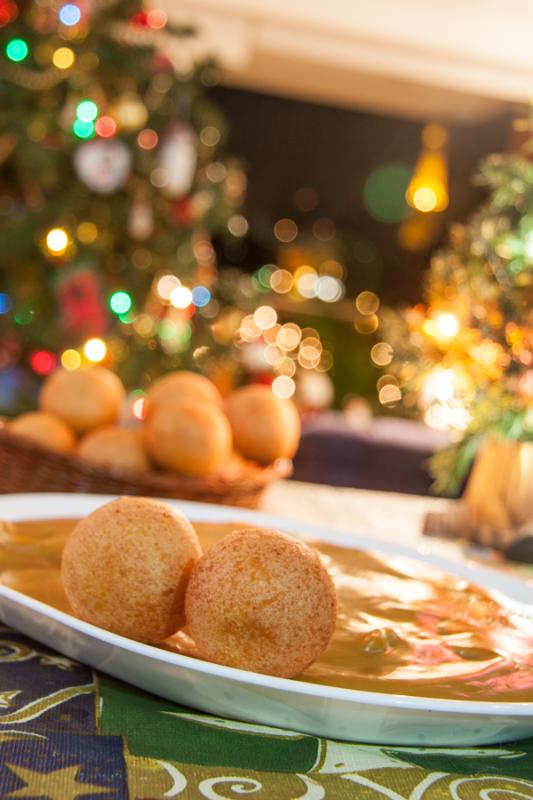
{"points": [[67, 733]]}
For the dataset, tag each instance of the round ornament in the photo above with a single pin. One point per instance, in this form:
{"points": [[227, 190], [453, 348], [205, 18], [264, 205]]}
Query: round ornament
{"points": [[177, 159], [103, 166]]}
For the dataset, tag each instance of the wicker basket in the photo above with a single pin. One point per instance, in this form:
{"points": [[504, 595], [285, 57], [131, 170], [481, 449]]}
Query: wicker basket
{"points": [[28, 467]]}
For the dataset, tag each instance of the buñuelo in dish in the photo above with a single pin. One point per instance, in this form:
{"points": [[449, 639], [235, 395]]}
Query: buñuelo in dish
{"points": [[403, 628]]}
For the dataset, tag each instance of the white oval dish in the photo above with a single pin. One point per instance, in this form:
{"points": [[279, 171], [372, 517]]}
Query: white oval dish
{"points": [[327, 711]]}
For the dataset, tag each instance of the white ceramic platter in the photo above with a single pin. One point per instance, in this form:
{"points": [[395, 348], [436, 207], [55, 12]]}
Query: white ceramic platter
{"points": [[321, 710]]}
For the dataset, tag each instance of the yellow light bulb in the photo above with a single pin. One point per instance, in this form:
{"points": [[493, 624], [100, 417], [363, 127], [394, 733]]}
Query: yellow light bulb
{"points": [[425, 199], [63, 58], [181, 297], [428, 188], [57, 241], [447, 325], [70, 359], [95, 350]]}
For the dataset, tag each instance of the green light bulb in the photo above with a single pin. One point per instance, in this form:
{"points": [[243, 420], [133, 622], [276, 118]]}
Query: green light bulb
{"points": [[87, 111], [120, 302], [83, 130], [17, 50]]}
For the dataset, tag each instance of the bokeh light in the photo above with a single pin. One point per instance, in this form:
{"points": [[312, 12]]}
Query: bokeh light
{"points": [[87, 111], [289, 336], [8, 12], [106, 127], [43, 362], [324, 229], [238, 225], [87, 232], [329, 289], [367, 302], [281, 281], [166, 285], [156, 19], [63, 58], [390, 395], [306, 280], [70, 359], [439, 385], [139, 408], [248, 330], [57, 241], [434, 136], [384, 192], [6, 304], [285, 366], [382, 354], [447, 325], [147, 139], [425, 199], [201, 296], [95, 350], [285, 230], [332, 268], [120, 302], [265, 317], [69, 14], [17, 50], [283, 387], [83, 130], [366, 324], [181, 297], [144, 325], [264, 275], [210, 136]]}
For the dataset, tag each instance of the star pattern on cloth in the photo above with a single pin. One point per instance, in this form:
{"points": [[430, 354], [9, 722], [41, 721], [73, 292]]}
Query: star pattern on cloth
{"points": [[60, 784], [6, 698], [58, 661]]}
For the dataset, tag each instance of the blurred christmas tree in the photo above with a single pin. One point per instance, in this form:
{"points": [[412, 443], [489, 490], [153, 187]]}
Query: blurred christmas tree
{"points": [[465, 358], [110, 191]]}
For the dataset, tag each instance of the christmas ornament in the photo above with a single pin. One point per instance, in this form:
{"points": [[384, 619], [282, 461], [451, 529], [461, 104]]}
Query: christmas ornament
{"points": [[80, 300], [103, 166], [141, 221], [177, 158], [129, 112]]}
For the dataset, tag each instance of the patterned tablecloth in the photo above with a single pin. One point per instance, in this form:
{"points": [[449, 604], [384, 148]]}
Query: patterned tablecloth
{"points": [[67, 733]]}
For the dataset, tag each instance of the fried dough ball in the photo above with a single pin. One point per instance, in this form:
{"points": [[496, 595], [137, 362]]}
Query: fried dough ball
{"points": [[261, 600], [180, 386], [190, 437], [115, 447], [125, 568], [45, 429], [83, 398], [264, 427]]}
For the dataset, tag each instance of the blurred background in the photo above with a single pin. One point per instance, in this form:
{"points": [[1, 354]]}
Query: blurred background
{"points": [[303, 194]]}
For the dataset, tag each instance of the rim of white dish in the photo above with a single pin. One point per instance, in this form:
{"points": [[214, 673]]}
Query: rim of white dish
{"points": [[25, 507]]}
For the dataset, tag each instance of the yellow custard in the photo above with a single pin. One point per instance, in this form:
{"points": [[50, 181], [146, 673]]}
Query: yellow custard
{"points": [[403, 627]]}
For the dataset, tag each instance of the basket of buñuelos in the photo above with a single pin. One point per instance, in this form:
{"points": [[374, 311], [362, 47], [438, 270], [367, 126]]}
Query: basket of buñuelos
{"points": [[191, 445]]}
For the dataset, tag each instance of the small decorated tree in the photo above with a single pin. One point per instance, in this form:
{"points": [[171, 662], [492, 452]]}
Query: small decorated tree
{"points": [[465, 356]]}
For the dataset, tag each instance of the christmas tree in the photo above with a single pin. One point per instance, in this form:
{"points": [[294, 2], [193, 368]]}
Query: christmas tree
{"points": [[111, 191], [465, 356]]}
